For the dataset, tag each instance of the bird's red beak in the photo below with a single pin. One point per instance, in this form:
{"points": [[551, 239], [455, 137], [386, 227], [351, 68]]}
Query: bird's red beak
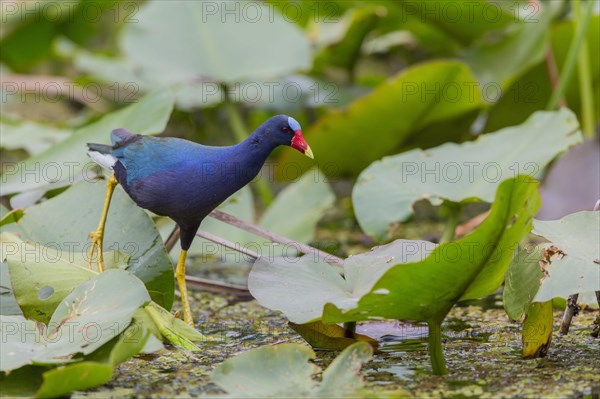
{"points": [[301, 145]]}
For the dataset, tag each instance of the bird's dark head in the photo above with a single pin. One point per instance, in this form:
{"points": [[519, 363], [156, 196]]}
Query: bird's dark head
{"points": [[285, 130]]}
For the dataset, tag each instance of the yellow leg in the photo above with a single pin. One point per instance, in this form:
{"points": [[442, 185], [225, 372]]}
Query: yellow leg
{"points": [[180, 276], [98, 235]]}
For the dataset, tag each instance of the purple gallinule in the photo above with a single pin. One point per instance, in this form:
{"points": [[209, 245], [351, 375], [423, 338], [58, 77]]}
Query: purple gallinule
{"points": [[185, 180]]}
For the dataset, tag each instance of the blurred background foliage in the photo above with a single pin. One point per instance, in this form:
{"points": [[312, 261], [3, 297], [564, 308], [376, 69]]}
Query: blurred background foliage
{"points": [[365, 78]]}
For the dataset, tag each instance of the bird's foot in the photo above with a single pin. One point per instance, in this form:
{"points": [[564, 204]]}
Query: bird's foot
{"points": [[97, 238]]}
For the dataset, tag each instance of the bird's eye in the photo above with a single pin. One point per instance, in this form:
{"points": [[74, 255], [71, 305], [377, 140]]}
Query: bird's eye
{"points": [[286, 129]]}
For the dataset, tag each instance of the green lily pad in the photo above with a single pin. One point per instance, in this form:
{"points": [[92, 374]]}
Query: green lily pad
{"points": [[126, 345], [100, 309], [522, 282], [65, 221], [537, 330], [11, 217], [577, 269], [345, 142], [86, 319], [226, 49], [405, 280], [34, 137], [329, 336], [308, 198], [67, 162], [8, 303], [243, 56], [286, 372], [342, 378], [218, 43], [169, 328], [277, 282], [387, 189], [460, 21], [469, 268], [18, 349], [40, 277], [497, 63], [74, 377]]}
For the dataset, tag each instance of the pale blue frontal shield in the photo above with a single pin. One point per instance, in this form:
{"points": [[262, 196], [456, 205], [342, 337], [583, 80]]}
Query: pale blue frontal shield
{"points": [[294, 124]]}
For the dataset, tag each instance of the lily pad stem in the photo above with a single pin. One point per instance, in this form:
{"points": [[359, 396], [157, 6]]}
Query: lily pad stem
{"points": [[438, 363], [585, 79], [350, 329], [571, 310], [581, 27]]}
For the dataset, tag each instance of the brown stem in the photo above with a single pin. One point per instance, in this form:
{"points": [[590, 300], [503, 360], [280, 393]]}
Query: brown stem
{"points": [[227, 244], [172, 239], [274, 237], [553, 74], [596, 324], [198, 283], [571, 310], [470, 224], [237, 290]]}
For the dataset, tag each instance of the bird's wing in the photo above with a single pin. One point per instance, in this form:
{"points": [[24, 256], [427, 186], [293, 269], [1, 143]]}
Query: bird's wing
{"points": [[146, 155], [121, 137]]}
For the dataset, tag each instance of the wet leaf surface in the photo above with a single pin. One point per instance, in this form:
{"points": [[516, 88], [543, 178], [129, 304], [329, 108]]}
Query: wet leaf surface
{"points": [[64, 223], [387, 190]]}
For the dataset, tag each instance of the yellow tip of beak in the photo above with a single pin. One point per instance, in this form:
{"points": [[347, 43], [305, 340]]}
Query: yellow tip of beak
{"points": [[309, 153]]}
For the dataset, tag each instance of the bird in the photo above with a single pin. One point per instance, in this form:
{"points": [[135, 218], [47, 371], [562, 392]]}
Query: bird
{"points": [[185, 180]]}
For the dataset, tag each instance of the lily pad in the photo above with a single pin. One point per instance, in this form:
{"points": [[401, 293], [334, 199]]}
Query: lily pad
{"points": [[94, 308], [39, 276], [277, 282], [11, 217], [85, 320], [225, 49], [497, 63], [171, 329], [65, 163], [65, 221], [329, 336], [469, 268], [387, 189], [522, 282], [286, 372], [537, 330], [577, 268], [405, 280], [346, 141], [34, 137], [74, 377]]}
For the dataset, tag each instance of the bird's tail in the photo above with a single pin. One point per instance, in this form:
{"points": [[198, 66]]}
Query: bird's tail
{"points": [[101, 148], [101, 154]]}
